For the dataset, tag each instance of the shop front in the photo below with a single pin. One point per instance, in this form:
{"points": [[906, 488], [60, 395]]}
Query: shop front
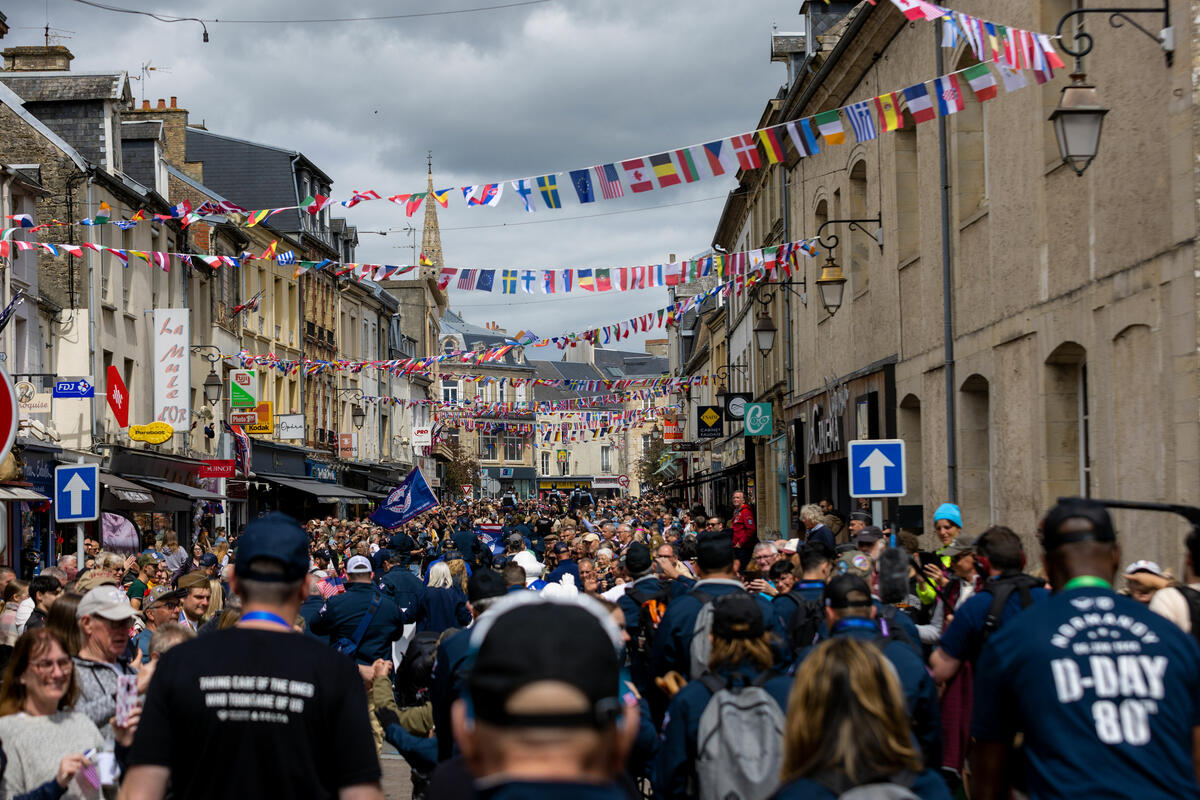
{"points": [[33, 518], [183, 500], [518, 480], [607, 485], [860, 405]]}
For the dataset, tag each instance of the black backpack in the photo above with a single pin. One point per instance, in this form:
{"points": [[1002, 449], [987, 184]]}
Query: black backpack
{"points": [[805, 626], [651, 608], [415, 675], [1001, 589]]}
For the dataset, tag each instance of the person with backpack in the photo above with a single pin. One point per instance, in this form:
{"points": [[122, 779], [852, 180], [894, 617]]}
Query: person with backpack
{"points": [[643, 603], [801, 611], [851, 611], [847, 735], [723, 733], [681, 642], [1105, 692], [1181, 604]]}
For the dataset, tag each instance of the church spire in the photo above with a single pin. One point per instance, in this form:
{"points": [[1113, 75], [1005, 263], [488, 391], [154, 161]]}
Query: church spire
{"points": [[431, 237]]}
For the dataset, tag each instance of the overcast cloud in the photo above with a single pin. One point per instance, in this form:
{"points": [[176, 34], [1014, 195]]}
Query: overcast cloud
{"points": [[495, 95]]}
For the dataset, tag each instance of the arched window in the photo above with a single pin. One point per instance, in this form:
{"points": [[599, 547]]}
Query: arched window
{"points": [[908, 427], [974, 452], [859, 246]]}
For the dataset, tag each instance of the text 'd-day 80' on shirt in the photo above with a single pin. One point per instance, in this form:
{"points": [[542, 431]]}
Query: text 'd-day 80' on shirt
{"points": [[1106, 692]]}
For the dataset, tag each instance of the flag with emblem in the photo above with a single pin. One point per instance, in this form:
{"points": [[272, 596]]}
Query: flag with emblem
{"points": [[581, 179], [949, 95], [639, 175], [890, 117], [314, 203], [487, 277], [603, 280]]}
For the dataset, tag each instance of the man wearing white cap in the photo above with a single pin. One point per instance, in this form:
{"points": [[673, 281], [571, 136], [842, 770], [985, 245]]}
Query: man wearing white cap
{"points": [[105, 618]]}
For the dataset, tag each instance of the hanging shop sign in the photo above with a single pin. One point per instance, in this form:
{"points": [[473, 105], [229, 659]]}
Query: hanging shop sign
{"points": [[243, 389], [735, 405], [709, 422], [217, 468], [291, 426], [172, 367], [154, 433], [264, 419]]}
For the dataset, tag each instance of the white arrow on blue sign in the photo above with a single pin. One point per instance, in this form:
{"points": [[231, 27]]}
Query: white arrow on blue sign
{"points": [[77, 493], [877, 468]]}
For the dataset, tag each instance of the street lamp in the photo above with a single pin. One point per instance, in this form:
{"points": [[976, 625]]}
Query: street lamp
{"points": [[213, 387], [764, 333], [357, 416], [832, 285]]}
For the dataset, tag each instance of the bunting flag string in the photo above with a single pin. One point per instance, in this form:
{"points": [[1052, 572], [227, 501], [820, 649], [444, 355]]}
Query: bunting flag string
{"points": [[1012, 50], [510, 281]]}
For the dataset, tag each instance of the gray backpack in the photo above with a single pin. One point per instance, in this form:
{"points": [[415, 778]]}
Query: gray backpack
{"points": [[739, 749], [898, 788], [701, 646]]}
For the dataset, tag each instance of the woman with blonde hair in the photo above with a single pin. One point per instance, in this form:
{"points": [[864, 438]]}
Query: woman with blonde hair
{"points": [[442, 605], [458, 573], [847, 727]]}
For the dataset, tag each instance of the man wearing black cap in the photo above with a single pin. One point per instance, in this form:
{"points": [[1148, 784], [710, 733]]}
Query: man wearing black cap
{"points": [[858, 521], [565, 565], [257, 710], [1106, 692], [398, 580], [448, 674], [545, 715], [680, 644], [851, 611]]}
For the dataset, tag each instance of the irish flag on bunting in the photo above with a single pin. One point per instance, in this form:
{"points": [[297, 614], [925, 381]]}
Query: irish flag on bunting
{"points": [[830, 126], [983, 83]]}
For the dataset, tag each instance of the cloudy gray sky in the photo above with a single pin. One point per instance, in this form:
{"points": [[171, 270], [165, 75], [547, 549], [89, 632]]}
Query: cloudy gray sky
{"points": [[498, 94]]}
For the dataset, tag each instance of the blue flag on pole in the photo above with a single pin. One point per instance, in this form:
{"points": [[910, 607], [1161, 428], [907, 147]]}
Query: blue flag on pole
{"points": [[411, 498]]}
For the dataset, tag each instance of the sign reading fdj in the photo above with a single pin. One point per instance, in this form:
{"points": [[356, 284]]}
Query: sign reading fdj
{"points": [[758, 419]]}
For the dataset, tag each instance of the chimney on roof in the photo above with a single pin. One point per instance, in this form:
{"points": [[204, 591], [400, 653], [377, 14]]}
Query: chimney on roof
{"points": [[175, 122], [162, 103], [37, 58], [173, 99], [145, 105]]}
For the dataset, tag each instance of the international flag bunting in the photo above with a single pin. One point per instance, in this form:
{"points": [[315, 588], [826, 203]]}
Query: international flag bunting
{"points": [[983, 83], [687, 165], [1013, 79], [444, 277], [103, 214], [181, 209], [466, 279], [949, 95], [603, 280], [639, 179], [548, 186], [269, 253], [802, 136], [22, 220], [664, 170], [919, 103], [250, 305], [423, 260], [548, 281], [581, 179], [770, 144], [314, 203], [357, 197], [890, 117], [256, 217], [830, 126], [442, 196], [413, 203], [508, 281], [525, 190], [862, 120], [746, 151], [585, 280], [487, 194], [716, 152], [286, 258], [487, 277], [609, 180]]}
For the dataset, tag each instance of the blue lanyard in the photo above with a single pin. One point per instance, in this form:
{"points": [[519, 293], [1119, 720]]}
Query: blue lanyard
{"points": [[848, 624], [811, 585], [265, 616]]}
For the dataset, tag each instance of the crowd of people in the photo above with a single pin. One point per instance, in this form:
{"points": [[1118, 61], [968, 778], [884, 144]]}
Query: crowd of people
{"points": [[616, 648]]}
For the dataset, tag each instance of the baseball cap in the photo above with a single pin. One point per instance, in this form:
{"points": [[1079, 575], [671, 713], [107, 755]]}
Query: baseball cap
{"points": [[959, 548], [1144, 566], [146, 559], [208, 560], [193, 580], [159, 595], [528, 638], [847, 591], [561, 547], [859, 564], [868, 535], [358, 565], [714, 550], [385, 554], [515, 540], [737, 616], [485, 583], [637, 558], [277, 537], [108, 602], [860, 516], [1101, 528]]}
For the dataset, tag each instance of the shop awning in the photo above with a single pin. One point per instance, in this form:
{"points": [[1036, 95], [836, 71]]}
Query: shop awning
{"points": [[180, 489], [324, 492], [127, 491], [21, 493]]}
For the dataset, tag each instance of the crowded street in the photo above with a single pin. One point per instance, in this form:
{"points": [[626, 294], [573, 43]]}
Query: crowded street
{"points": [[818, 418]]}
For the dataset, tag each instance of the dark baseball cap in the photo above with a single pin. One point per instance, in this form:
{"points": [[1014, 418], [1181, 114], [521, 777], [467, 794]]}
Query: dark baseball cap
{"points": [[561, 547], [737, 616], [1100, 530], [714, 550], [847, 591], [208, 560], [275, 537], [529, 638], [868, 535], [485, 583], [383, 554], [637, 558]]}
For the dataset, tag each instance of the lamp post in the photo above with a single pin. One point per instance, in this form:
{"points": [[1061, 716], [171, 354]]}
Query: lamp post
{"points": [[214, 386], [357, 416], [832, 283], [1079, 117], [764, 333]]}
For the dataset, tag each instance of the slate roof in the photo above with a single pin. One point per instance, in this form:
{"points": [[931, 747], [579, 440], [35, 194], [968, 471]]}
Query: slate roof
{"points": [[10, 98], [52, 87]]}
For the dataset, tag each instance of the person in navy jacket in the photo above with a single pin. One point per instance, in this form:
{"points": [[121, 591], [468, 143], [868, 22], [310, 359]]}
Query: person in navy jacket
{"points": [[442, 605], [342, 614], [673, 638], [398, 580]]}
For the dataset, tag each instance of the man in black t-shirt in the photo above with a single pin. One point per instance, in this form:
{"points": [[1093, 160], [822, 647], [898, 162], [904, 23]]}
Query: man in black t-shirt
{"points": [[257, 710]]}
